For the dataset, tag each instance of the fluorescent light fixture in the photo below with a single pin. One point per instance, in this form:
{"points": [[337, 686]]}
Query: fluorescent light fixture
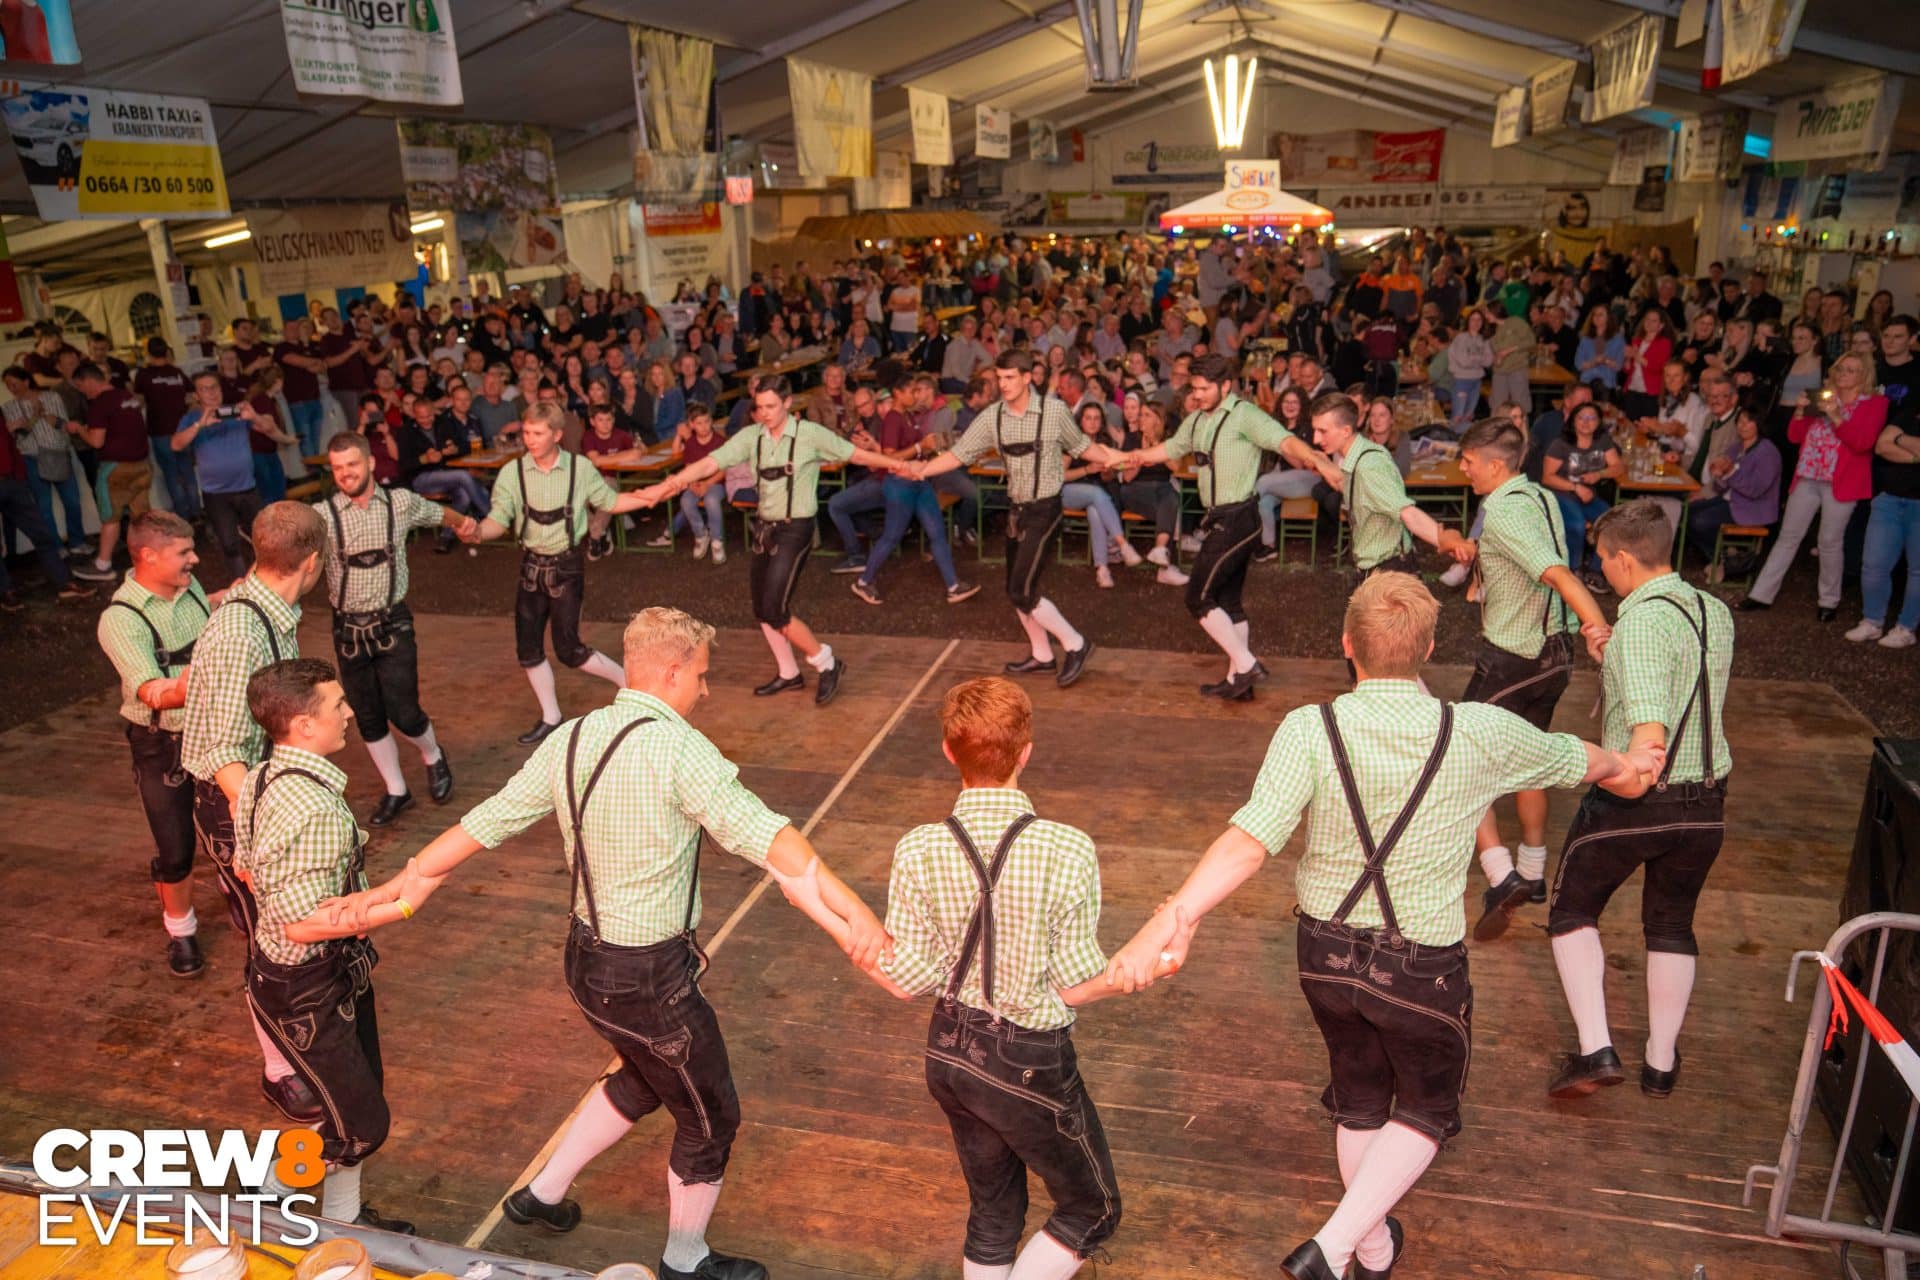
{"points": [[427, 224], [1229, 102], [230, 237]]}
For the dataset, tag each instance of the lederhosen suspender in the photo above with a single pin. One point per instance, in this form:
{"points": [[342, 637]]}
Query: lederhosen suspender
{"points": [[764, 475], [1702, 695], [1375, 874], [273, 643], [1024, 449], [1204, 457], [360, 632], [163, 657], [370, 559], [548, 515], [357, 953], [979, 935], [1546, 609]]}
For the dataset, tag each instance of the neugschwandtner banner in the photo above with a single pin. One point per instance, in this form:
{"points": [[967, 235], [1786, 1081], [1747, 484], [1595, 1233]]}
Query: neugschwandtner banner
{"points": [[389, 50], [100, 153], [326, 246], [499, 182], [674, 150]]}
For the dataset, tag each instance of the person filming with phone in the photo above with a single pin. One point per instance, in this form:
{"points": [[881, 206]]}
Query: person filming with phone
{"points": [[217, 436]]}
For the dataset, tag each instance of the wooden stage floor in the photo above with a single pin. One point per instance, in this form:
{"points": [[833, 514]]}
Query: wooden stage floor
{"points": [[1208, 1085]]}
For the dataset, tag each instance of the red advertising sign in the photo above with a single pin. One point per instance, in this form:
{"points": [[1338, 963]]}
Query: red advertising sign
{"points": [[740, 190], [1408, 157]]}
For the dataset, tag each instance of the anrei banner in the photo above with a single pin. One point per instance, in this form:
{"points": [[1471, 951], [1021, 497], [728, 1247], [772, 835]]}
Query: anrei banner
{"points": [[101, 153]]}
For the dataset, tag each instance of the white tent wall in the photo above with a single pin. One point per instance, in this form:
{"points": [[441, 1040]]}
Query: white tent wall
{"points": [[597, 240]]}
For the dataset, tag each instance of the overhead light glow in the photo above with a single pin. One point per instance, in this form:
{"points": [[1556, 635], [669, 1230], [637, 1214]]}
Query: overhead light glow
{"points": [[427, 224], [231, 237], [1229, 98]]}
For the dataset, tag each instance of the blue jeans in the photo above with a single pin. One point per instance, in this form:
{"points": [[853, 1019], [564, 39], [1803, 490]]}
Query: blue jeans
{"points": [[1465, 396], [857, 498], [1576, 516], [69, 491], [22, 513], [176, 469], [906, 501], [309, 419], [1275, 487], [1103, 518], [1893, 524], [457, 488], [269, 477], [712, 526]]}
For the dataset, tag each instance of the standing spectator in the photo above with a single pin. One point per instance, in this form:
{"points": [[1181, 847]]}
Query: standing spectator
{"points": [[269, 474], [1512, 359], [1646, 358], [301, 364], [1215, 277], [116, 429], [166, 389], [1469, 356], [1893, 527], [1836, 432], [217, 437], [100, 354], [20, 513], [345, 353], [37, 432]]}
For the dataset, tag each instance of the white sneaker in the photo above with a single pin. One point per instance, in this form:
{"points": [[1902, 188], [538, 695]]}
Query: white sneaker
{"points": [[1190, 542], [1867, 630], [1102, 576], [719, 551], [663, 539], [700, 545], [1160, 557], [1456, 574], [1898, 638], [1128, 556], [1171, 577]]}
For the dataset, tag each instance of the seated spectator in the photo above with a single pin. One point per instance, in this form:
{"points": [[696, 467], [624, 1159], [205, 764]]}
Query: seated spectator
{"points": [[859, 350], [1602, 352], [1551, 425], [603, 436], [423, 468], [1575, 465], [1151, 491], [1085, 490], [1746, 478]]}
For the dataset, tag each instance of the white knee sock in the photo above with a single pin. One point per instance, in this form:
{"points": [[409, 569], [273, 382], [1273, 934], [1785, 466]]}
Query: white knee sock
{"points": [[1669, 987], [340, 1193], [971, 1270], [782, 652], [1045, 1258], [823, 660], [185, 926], [599, 664], [1244, 630], [1220, 629], [541, 678], [689, 1209], [278, 1068], [1049, 616], [598, 1126], [1497, 862], [386, 762], [1375, 1249], [1532, 862], [1582, 962], [1036, 636], [426, 744], [1393, 1162]]}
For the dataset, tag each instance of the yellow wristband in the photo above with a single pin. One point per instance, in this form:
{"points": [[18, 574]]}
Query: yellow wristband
{"points": [[406, 908]]}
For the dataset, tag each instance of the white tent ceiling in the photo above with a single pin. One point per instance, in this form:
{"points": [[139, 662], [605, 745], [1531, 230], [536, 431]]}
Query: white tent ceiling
{"points": [[563, 63]]}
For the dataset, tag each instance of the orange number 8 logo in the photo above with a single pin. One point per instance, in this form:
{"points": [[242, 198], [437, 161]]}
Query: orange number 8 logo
{"points": [[299, 1164]]}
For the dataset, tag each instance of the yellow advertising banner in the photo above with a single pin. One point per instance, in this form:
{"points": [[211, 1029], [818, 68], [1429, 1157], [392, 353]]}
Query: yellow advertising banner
{"points": [[100, 153]]}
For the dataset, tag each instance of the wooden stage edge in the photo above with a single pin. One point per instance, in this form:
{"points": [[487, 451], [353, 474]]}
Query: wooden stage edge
{"points": [[1208, 1085]]}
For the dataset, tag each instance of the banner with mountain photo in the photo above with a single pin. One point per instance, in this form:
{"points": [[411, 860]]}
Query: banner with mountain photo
{"points": [[388, 50], [498, 181], [676, 147]]}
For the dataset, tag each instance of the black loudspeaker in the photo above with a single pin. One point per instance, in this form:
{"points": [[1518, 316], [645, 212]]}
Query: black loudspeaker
{"points": [[1884, 875]]}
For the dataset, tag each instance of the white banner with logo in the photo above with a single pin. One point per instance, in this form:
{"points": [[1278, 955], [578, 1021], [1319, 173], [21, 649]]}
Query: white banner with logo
{"points": [[992, 133], [673, 94], [1624, 63], [1043, 143], [1510, 116], [381, 49], [1710, 148], [890, 187], [832, 120], [1638, 150], [1755, 34], [1548, 94], [682, 242], [1842, 121], [1391, 206], [319, 247], [932, 126]]}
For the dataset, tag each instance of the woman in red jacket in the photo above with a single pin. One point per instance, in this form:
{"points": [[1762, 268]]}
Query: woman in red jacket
{"points": [[1647, 356], [1836, 433]]}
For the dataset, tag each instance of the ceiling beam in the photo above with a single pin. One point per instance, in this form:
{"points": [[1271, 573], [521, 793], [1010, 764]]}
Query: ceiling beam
{"points": [[825, 29], [1051, 16]]}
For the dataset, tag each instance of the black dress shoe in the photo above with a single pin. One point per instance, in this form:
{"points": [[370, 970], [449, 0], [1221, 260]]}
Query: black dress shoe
{"points": [[389, 808], [183, 957], [716, 1266], [1581, 1073], [536, 735], [370, 1217], [1239, 688], [779, 684], [1749, 605], [1074, 665], [293, 1098], [440, 779], [1659, 1084], [1028, 665], [1537, 890], [1260, 671], [523, 1206], [1498, 905], [1825, 614], [1399, 1246], [1216, 688], [1308, 1263], [829, 683]]}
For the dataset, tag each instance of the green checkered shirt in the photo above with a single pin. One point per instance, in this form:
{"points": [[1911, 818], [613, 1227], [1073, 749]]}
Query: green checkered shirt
{"points": [[1046, 910], [1235, 435], [219, 729], [1375, 497], [1389, 727], [803, 444], [300, 849], [643, 820], [129, 644], [548, 492], [1652, 667], [366, 530], [1036, 476], [1519, 541]]}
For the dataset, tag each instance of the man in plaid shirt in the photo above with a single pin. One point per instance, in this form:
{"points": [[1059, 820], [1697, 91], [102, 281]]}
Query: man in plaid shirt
{"points": [[299, 846], [1663, 683], [1381, 940]]}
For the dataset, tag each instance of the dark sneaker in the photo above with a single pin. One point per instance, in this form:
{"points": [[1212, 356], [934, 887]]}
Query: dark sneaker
{"points": [[1581, 1073], [962, 591], [867, 591], [1266, 555], [1498, 905], [849, 564], [523, 1207], [72, 593], [183, 957], [601, 547], [87, 569]]}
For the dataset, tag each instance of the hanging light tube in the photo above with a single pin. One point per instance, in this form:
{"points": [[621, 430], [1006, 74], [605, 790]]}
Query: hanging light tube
{"points": [[1230, 99]]}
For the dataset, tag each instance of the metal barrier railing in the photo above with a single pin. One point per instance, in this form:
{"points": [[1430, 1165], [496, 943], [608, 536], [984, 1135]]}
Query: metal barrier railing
{"points": [[1893, 1244]]}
